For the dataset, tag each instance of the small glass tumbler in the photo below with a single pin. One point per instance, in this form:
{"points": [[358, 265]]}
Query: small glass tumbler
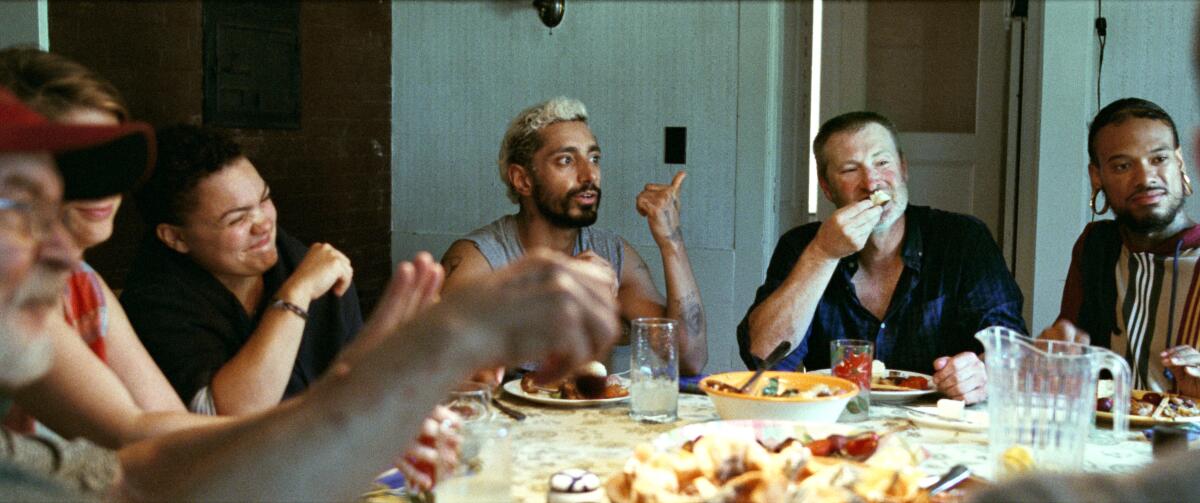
{"points": [[654, 370], [851, 360], [484, 470]]}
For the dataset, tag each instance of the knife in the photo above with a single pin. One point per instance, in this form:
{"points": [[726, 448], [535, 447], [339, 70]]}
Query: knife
{"points": [[508, 411]]}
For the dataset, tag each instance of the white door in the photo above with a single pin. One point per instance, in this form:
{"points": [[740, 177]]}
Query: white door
{"points": [[938, 70]]}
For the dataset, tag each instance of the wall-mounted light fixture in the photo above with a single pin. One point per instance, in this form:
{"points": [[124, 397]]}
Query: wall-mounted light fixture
{"points": [[550, 11]]}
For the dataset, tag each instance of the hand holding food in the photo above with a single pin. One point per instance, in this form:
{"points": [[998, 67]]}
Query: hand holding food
{"points": [[847, 229]]}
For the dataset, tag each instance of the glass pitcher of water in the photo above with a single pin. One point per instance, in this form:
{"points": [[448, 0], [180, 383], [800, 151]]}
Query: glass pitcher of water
{"points": [[1042, 400]]}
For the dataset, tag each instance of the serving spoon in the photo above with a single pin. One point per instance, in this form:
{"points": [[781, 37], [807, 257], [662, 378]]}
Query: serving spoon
{"points": [[780, 351]]}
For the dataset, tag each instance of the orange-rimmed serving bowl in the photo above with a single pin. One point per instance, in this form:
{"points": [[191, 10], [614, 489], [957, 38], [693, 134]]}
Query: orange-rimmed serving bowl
{"points": [[732, 405]]}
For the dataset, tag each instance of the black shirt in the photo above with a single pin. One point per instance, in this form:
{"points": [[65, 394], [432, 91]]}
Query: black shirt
{"points": [[954, 284], [192, 325]]}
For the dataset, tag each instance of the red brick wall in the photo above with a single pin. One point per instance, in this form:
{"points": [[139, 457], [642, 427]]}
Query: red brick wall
{"points": [[331, 179]]}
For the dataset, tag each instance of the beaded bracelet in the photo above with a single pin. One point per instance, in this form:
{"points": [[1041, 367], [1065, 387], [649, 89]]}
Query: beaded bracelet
{"points": [[288, 306]]}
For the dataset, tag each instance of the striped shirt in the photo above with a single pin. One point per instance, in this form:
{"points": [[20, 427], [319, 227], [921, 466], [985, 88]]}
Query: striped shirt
{"points": [[1137, 302]]}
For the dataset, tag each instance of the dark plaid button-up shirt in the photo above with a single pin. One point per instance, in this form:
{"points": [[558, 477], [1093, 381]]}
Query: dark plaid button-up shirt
{"points": [[954, 284]]}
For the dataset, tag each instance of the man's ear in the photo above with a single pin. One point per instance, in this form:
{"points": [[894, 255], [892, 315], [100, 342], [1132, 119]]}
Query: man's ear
{"points": [[521, 178], [903, 168], [172, 236]]}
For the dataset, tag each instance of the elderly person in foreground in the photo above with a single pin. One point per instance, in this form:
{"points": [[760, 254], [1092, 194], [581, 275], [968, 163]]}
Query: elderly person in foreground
{"points": [[417, 352]]}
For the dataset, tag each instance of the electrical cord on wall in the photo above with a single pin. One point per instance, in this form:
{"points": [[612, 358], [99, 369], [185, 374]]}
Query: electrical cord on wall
{"points": [[1102, 36]]}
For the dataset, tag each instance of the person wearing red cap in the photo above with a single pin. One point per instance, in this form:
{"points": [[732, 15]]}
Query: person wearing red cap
{"points": [[411, 352], [105, 395], [36, 255], [114, 394]]}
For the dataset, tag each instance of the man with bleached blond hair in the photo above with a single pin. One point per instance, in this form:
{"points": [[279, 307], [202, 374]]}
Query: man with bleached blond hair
{"points": [[550, 162]]}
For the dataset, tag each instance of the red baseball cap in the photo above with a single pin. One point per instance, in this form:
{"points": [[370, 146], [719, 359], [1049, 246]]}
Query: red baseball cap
{"points": [[95, 161]]}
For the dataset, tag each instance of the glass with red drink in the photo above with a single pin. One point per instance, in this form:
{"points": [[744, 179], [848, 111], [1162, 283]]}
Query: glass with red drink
{"points": [[851, 360]]}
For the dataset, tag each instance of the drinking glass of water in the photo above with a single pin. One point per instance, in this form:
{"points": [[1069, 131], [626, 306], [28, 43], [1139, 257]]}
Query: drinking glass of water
{"points": [[654, 370], [485, 453]]}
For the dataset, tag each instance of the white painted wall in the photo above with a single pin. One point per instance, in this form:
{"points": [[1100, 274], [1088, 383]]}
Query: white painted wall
{"points": [[24, 22], [1064, 103], [462, 70], [1149, 55]]}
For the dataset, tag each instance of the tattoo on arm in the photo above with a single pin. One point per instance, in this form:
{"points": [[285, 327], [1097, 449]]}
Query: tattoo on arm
{"points": [[690, 312], [676, 235]]}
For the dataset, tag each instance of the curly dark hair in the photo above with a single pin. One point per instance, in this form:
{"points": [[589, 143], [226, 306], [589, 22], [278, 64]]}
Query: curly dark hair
{"points": [[186, 155], [1124, 109]]}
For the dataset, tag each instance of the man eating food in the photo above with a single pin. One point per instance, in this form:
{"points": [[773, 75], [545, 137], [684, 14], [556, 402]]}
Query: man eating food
{"points": [[916, 281]]}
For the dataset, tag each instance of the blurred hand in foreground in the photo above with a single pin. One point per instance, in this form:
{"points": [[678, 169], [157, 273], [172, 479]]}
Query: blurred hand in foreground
{"points": [[434, 452], [546, 307]]}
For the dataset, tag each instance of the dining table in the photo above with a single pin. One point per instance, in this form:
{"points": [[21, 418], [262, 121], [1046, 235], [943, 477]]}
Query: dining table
{"points": [[601, 438]]}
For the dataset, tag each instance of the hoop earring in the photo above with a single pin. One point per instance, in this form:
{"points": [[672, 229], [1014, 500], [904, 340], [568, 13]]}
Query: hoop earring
{"points": [[1092, 204], [1187, 185]]}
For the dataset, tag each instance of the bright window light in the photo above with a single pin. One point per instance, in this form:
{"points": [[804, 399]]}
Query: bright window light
{"points": [[814, 105]]}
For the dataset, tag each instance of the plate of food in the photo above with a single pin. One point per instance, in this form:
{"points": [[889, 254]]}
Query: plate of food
{"points": [[752, 460], [779, 395], [895, 386], [592, 385], [1148, 408]]}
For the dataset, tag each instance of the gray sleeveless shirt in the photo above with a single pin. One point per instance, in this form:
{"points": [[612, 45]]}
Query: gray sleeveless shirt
{"points": [[500, 245]]}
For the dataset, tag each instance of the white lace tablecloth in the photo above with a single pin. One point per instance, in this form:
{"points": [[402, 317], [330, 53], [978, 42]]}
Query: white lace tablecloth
{"points": [[600, 439]]}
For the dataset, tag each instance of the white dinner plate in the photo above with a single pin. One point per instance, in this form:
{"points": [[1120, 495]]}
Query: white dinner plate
{"points": [[513, 387], [879, 396], [973, 421]]}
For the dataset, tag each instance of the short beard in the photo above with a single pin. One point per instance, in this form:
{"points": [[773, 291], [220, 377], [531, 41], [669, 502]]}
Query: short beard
{"points": [[557, 212], [24, 357], [1151, 223], [22, 365]]}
